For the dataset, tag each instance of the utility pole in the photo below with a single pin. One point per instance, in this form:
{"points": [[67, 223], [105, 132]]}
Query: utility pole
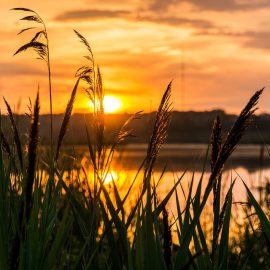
{"points": [[183, 85]]}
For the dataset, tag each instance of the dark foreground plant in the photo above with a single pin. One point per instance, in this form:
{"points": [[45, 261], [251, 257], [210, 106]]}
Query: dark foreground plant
{"points": [[40, 44], [82, 223]]}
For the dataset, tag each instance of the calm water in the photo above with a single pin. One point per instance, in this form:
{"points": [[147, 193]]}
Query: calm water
{"points": [[187, 156], [248, 162]]}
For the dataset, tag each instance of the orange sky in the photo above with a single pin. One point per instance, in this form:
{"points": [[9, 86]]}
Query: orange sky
{"points": [[140, 46]]}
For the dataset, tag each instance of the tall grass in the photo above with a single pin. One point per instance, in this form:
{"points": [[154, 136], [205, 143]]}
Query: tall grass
{"points": [[40, 44], [81, 224]]}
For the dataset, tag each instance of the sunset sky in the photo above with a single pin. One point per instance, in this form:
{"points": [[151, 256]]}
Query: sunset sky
{"points": [[216, 52]]}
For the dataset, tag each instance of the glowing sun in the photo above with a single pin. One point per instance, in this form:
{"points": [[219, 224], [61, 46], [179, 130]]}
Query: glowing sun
{"points": [[111, 176], [111, 104]]}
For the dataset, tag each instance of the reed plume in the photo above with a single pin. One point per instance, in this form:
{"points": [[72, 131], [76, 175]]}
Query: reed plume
{"points": [[99, 116], [32, 157], [26, 206], [92, 76], [226, 149], [7, 150], [158, 137], [40, 44], [66, 119], [5, 145], [216, 141], [234, 136], [160, 129], [240, 125], [17, 139]]}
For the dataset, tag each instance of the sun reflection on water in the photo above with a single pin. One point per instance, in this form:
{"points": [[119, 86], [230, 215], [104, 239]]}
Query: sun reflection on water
{"points": [[122, 174]]}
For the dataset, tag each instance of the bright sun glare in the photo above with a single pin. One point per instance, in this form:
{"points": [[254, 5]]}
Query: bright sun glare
{"points": [[112, 175], [111, 104]]}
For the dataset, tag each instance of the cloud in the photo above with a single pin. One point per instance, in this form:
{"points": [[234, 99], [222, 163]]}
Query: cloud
{"points": [[216, 5], [11, 70], [158, 5], [76, 15], [221, 5], [178, 21], [101, 14], [259, 40], [251, 39]]}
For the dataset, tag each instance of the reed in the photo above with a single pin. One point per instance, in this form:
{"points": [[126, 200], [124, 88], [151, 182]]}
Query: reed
{"points": [[66, 119], [5, 145], [159, 133], [216, 142], [82, 223], [40, 44], [32, 158], [17, 140], [167, 238]]}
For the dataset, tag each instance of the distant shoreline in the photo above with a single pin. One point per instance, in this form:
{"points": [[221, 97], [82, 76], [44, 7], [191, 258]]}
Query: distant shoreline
{"points": [[185, 127]]}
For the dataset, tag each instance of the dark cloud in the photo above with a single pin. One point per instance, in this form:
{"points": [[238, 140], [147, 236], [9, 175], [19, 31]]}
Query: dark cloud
{"points": [[101, 14], [90, 14], [224, 5], [217, 5], [252, 39], [10, 70], [159, 5], [259, 40], [177, 21]]}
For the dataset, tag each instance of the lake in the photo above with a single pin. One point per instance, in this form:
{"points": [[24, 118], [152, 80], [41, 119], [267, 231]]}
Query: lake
{"points": [[248, 162]]}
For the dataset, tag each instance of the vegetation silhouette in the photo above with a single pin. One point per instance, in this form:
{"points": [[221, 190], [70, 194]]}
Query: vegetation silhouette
{"points": [[50, 221]]}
